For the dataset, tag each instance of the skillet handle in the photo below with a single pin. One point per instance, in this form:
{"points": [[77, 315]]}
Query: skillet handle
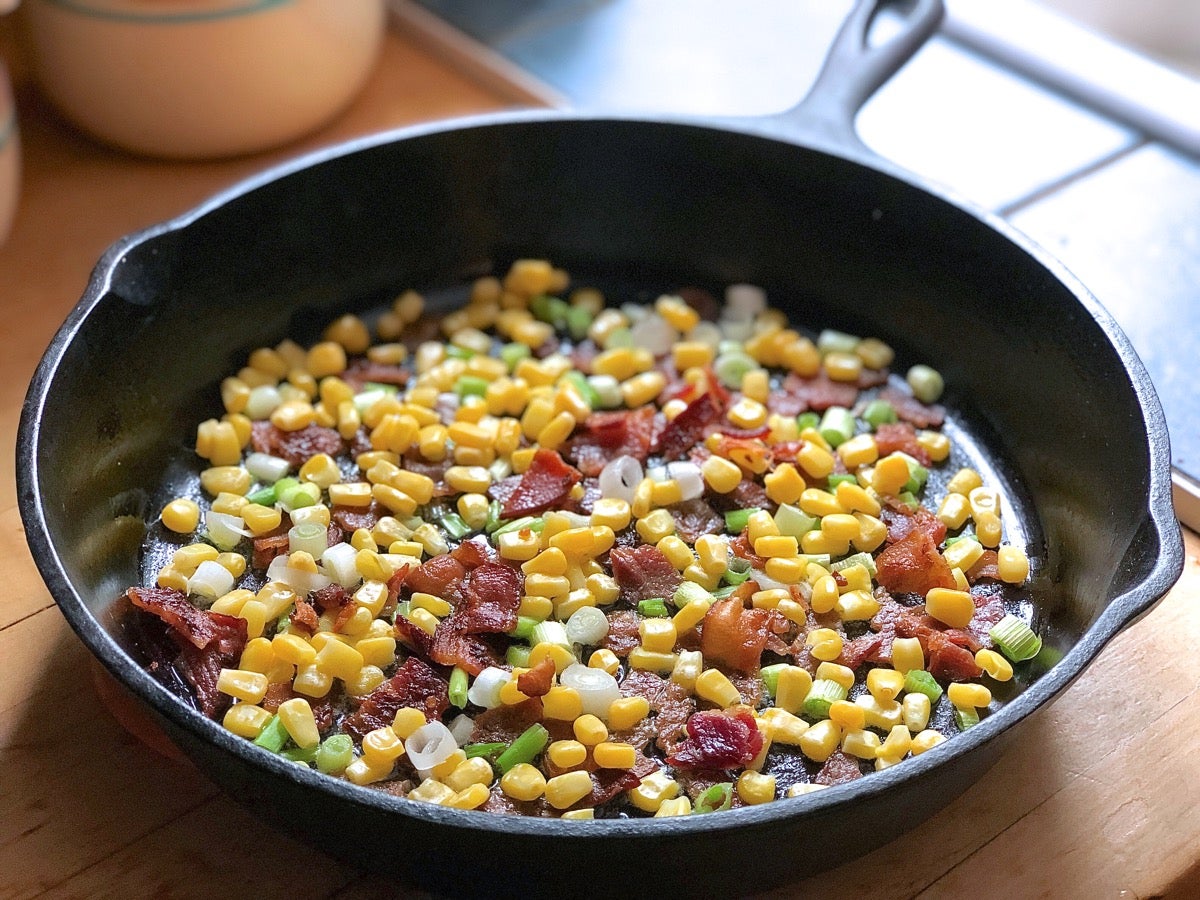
{"points": [[853, 71]]}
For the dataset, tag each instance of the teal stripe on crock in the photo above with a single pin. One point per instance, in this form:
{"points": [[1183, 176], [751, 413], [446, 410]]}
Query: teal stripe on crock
{"points": [[166, 18], [8, 130]]}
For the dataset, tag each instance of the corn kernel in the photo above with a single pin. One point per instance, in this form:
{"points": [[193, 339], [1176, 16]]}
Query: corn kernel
{"points": [[181, 515], [720, 474], [562, 703], [714, 686], [820, 740], [885, 684], [604, 659], [1012, 564], [831, 671], [824, 643], [244, 685], [964, 481], [589, 730], [890, 474], [776, 545], [755, 788], [860, 743], [339, 660], [566, 754], [652, 660], [655, 526], [872, 532], [914, 711], [926, 740], [954, 510], [298, 720], [856, 606], [907, 655], [860, 450], [951, 607], [381, 747], [567, 789], [246, 720], [963, 554], [792, 687], [653, 791], [625, 712], [988, 529], [848, 716], [520, 545], [842, 366], [969, 696], [878, 714], [658, 635]]}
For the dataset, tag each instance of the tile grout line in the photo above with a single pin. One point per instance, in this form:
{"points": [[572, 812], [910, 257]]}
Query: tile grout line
{"points": [[1009, 209]]}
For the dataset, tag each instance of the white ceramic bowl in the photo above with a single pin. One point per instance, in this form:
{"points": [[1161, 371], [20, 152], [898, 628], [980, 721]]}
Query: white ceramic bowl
{"points": [[202, 78]]}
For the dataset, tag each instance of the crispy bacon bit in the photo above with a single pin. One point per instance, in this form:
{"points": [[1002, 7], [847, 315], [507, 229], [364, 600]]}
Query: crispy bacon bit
{"points": [[740, 546], [607, 435], [857, 651], [544, 485], [947, 661], [733, 635], [441, 576], [901, 520], [360, 371], [694, 518], [413, 635], [838, 769], [537, 681], [172, 606], [687, 429], [702, 301], [643, 573], [718, 740], [331, 597], [304, 617], [900, 436], [913, 565], [609, 783], [475, 552], [912, 410], [623, 634], [492, 598], [818, 393], [352, 518], [268, 547], [986, 568], [414, 685], [279, 691], [504, 724], [295, 446]]}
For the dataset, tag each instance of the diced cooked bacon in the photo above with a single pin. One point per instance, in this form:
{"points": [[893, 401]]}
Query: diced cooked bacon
{"points": [[900, 436], [869, 378], [857, 651], [537, 681], [606, 435], [295, 446], [197, 626], [912, 410], [913, 565], [475, 552], [986, 568], [452, 646], [544, 485], [733, 635], [504, 488], [623, 633], [304, 617], [412, 634], [352, 518], [490, 603], [989, 609], [281, 691], [838, 769], [749, 686], [818, 393], [609, 783], [332, 597], [504, 724], [740, 547], [689, 427], [718, 740], [670, 705], [441, 576], [643, 573], [702, 301], [266, 548], [748, 494], [362, 370], [414, 685], [433, 469], [694, 518], [583, 354], [947, 661], [900, 520]]}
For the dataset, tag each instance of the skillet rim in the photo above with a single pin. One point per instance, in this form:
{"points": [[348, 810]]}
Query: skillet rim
{"points": [[1120, 612]]}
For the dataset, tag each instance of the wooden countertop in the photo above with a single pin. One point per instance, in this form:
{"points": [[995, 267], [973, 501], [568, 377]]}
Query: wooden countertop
{"points": [[1097, 797]]}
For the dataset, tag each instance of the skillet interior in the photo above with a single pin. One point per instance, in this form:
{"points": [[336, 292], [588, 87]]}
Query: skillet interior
{"points": [[1043, 387]]}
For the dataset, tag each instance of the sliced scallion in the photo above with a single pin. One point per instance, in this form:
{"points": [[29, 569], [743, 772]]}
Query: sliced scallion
{"points": [[518, 655], [470, 386], [550, 309], [586, 390], [835, 480], [965, 718], [524, 628], [737, 519], [724, 593], [717, 798], [918, 681], [855, 559], [1015, 639], [690, 592], [770, 677], [793, 522], [550, 632], [808, 420], [837, 425], [273, 736], [730, 368], [654, 607], [335, 753], [579, 320], [530, 522], [879, 412], [458, 687], [456, 352], [737, 573], [300, 754], [488, 751], [927, 384], [511, 354], [455, 526], [822, 695], [831, 341], [524, 749], [263, 496]]}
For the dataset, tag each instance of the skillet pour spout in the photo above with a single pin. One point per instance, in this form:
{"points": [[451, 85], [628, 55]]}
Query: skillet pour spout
{"points": [[1058, 411]]}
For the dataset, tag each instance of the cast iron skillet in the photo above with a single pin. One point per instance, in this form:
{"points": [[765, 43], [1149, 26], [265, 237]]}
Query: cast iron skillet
{"points": [[1046, 394]]}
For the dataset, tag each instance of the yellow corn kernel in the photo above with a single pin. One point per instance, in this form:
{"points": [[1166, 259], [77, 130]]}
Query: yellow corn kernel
{"points": [[1012, 564], [951, 607], [760, 524], [625, 712], [604, 588], [181, 515], [860, 450], [652, 660], [815, 460], [963, 554], [655, 526], [472, 796], [785, 484], [840, 527], [885, 684], [856, 606], [792, 687], [381, 747], [218, 442], [589, 730], [519, 545], [696, 573], [890, 474], [848, 716], [856, 499], [231, 604], [755, 788], [606, 660], [824, 596], [988, 529], [676, 551], [714, 686], [566, 754], [964, 481], [874, 353], [523, 782], [360, 772], [842, 366], [294, 649], [879, 715], [747, 413], [776, 545], [567, 789], [690, 615], [831, 671], [720, 474], [954, 511], [676, 806], [688, 354], [658, 635], [573, 542], [475, 771], [788, 570], [872, 532], [436, 605], [824, 643], [678, 314], [769, 599], [377, 651], [936, 444], [407, 720], [642, 388], [188, 558], [556, 431], [225, 479], [994, 664], [712, 552], [297, 718], [926, 740], [233, 563], [665, 493], [551, 561], [562, 703], [969, 696], [547, 585], [244, 685], [339, 660], [561, 656], [653, 791], [907, 655], [820, 740], [861, 743], [246, 720], [914, 711], [817, 502]]}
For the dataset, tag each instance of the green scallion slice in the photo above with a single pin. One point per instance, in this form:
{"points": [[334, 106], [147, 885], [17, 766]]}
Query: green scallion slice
{"points": [[335, 753], [524, 749], [518, 655], [511, 354], [730, 368], [654, 607], [525, 626], [517, 525], [822, 695], [737, 573], [808, 420], [835, 480], [273, 736], [550, 632], [879, 412], [458, 688], [918, 681], [965, 718], [299, 496], [855, 559], [470, 386], [300, 754], [724, 593], [690, 592], [455, 526], [837, 425], [927, 384], [831, 341], [586, 391], [770, 677], [717, 798], [488, 751], [792, 521], [263, 496], [1015, 639], [456, 352], [737, 519], [579, 320]]}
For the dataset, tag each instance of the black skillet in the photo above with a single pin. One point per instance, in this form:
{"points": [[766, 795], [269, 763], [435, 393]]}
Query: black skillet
{"points": [[1046, 394]]}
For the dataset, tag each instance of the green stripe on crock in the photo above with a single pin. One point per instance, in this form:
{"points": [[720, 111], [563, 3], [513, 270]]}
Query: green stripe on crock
{"points": [[165, 18]]}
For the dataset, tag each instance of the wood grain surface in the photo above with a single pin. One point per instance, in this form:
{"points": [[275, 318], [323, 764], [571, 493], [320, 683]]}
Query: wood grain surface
{"points": [[1098, 797]]}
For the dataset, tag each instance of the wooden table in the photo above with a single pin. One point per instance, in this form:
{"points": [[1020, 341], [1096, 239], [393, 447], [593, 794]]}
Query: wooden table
{"points": [[1098, 797]]}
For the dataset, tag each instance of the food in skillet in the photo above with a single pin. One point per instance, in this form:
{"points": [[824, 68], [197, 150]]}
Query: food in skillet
{"points": [[584, 561]]}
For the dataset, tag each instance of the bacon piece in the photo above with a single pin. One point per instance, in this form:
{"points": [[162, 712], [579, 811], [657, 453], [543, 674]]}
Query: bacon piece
{"points": [[607, 435], [537, 681], [986, 568], [304, 616], [416, 637], [718, 740], [643, 572], [913, 565], [671, 707], [694, 518], [688, 428], [900, 436], [295, 446], [623, 634], [901, 520], [838, 769], [172, 606], [332, 597], [609, 783], [504, 724], [266, 548], [504, 488], [352, 518], [491, 601], [702, 301], [280, 691], [454, 647], [857, 651], [817, 393], [360, 371], [733, 635], [748, 494], [740, 546], [441, 576], [544, 485], [947, 661], [414, 685], [475, 553], [912, 410]]}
